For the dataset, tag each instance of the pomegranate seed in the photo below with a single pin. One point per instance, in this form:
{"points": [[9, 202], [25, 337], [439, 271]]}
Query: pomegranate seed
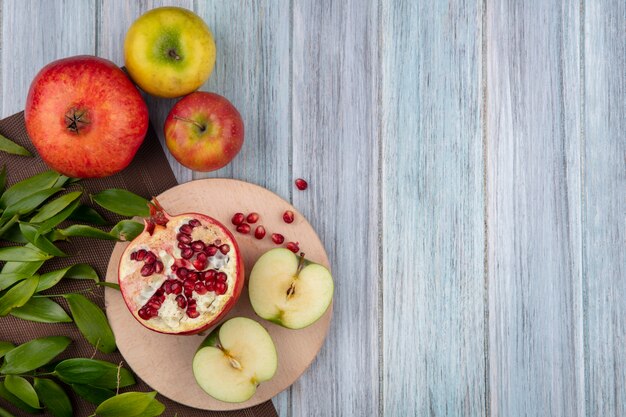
{"points": [[185, 229], [278, 238], [237, 219], [176, 287], [159, 293], [210, 286], [182, 245], [217, 242], [158, 267], [259, 232], [188, 293], [197, 245], [133, 256], [220, 288], [224, 248], [288, 216], [193, 275], [141, 253], [147, 270], [243, 228], [221, 277], [182, 273], [167, 286], [191, 303], [211, 250], [200, 288], [181, 301], [252, 217], [186, 253], [154, 304], [144, 313], [192, 314], [301, 184], [210, 275], [200, 262], [194, 223], [182, 238], [150, 258], [189, 284], [293, 247]]}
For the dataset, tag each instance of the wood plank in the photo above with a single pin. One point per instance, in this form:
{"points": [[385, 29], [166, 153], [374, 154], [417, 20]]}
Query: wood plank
{"points": [[533, 209], [604, 205], [115, 17], [35, 33], [434, 297], [335, 135]]}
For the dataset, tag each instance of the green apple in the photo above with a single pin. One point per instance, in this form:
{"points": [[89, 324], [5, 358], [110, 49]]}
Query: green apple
{"points": [[169, 52], [234, 359], [289, 290]]}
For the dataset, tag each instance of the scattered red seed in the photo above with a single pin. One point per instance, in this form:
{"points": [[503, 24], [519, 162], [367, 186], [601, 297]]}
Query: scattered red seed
{"points": [[259, 232], [238, 218], [224, 248], [252, 217], [293, 246], [278, 238], [288, 216], [301, 184], [243, 228]]}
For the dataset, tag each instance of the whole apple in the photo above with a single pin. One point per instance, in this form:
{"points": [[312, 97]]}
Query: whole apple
{"points": [[85, 117], [169, 52], [204, 131]]}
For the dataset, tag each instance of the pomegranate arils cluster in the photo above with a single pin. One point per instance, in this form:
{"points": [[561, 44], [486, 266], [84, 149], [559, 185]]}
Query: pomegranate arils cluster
{"points": [[188, 275]]}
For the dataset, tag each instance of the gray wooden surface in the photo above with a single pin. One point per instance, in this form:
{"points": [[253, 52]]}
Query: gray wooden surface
{"points": [[467, 170]]}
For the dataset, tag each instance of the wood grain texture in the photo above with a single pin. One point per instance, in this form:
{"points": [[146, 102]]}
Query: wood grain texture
{"points": [[604, 205], [335, 131], [114, 19], [35, 33], [533, 209], [434, 299]]}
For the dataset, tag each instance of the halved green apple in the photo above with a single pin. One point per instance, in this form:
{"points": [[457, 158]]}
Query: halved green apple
{"points": [[289, 290], [234, 359]]}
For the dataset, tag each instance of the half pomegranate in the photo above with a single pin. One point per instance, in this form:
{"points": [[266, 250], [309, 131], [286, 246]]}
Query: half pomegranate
{"points": [[182, 274]]}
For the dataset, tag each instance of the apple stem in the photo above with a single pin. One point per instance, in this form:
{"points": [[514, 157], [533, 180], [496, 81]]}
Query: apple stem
{"points": [[198, 125], [300, 263]]}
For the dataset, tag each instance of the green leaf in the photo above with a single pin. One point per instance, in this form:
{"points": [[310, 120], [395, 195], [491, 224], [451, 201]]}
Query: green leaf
{"points": [[155, 408], [93, 394], [88, 215], [5, 347], [53, 397], [28, 268], [127, 230], [3, 179], [109, 284], [22, 389], [18, 295], [11, 147], [62, 180], [4, 393], [5, 413], [22, 254], [41, 242], [55, 206], [100, 374], [8, 225], [29, 203], [58, 218], [11, 231], [128, 404], [78, 271], [79, 230], [41, 310], [122, 202], [28, 187], [91, 322], [10, 278], [34, 354]]}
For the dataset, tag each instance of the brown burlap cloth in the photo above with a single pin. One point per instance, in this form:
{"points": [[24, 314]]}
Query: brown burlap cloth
{"points": [[149, 174]]}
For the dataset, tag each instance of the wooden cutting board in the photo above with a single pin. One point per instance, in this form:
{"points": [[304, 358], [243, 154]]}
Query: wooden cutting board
{"points": [[164, 361]]}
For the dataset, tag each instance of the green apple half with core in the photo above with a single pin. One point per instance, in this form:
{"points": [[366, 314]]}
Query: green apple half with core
{"points": [[289, 290], [234, 359]]}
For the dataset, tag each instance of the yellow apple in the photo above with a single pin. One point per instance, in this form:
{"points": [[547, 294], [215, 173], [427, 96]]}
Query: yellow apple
{"points": [[169, 52]]}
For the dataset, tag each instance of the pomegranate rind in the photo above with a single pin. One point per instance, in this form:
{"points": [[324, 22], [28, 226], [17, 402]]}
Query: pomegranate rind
{"points": [[161, 240]]}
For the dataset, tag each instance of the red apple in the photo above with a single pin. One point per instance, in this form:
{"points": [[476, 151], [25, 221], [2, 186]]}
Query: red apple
{"points": [[85, 117], [204, 131]]}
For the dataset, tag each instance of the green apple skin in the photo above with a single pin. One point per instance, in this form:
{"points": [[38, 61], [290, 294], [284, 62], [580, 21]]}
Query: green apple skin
{"points": [[235, 357], [169, 52], [289, 290]]}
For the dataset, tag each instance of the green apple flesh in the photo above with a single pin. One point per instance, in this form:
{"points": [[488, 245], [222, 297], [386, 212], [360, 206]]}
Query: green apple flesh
{"points": [[289, 290], [234, 359]]}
